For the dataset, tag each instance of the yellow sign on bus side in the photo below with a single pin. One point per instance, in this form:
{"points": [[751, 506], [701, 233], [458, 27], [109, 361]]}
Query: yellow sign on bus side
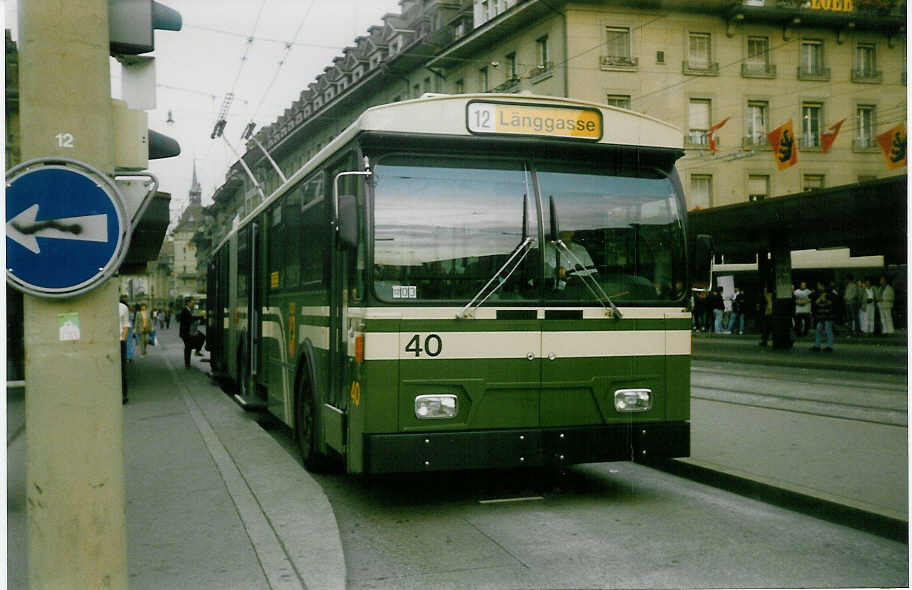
{"points": [[528, 119]]}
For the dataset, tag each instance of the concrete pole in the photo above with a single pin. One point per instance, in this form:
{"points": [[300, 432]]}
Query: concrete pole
{"points": [[74, 417]]}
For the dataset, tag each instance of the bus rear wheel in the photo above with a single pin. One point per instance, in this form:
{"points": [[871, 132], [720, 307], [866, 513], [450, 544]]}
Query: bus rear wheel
{"points": [[305, 427]]}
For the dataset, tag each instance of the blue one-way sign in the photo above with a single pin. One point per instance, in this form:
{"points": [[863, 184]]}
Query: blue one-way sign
{"points": [[66, 228]]}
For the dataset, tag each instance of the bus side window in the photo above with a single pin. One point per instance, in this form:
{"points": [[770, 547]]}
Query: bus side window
{"points": [[291, 235], [312, 233]]}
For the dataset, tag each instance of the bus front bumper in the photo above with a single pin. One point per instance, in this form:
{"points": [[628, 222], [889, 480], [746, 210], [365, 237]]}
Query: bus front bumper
{"points": [[535, 447]]}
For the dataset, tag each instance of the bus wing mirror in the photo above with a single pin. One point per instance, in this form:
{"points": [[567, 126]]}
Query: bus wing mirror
{"points": [[703, 258], [348, 221]]}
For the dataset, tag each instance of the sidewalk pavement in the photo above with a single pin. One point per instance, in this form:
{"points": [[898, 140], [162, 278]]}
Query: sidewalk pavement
{"points": [[213, 501], [871, 354]]}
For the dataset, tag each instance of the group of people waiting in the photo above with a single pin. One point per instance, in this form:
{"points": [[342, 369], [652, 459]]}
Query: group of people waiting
{"points": [[863, 307]]}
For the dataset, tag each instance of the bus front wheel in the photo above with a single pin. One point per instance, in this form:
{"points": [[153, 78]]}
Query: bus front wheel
{"points": [[306, 427]]}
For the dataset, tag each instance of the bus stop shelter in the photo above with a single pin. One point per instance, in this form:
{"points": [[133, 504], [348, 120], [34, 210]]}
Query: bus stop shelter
{"points": [[868, 218]]}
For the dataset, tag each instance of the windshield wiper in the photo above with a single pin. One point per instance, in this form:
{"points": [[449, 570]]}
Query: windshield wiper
{"points": [[506, 271], [597, 291]]}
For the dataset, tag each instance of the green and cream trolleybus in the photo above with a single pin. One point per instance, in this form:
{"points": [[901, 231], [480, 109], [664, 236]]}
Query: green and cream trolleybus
{"points": [[460, 282]]}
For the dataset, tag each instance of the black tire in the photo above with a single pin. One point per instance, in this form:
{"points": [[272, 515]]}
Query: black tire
{"points": [[306, 424]]}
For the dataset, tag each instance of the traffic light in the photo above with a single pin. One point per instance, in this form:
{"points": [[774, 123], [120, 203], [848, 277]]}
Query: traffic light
{"points": [[132, 25]]}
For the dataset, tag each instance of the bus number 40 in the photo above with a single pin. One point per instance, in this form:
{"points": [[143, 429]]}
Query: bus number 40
{"points": [[432, 345]]}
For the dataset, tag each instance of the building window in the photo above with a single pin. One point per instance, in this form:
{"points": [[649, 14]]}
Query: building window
{"points": [[511, 66], [757, 122], [811, 116], [542, 54], [811, 66], [699, 51], [617, 45], [700, 191], [483, 79], [698, 119], [864, 59], [460, 86], [865, 66], [812, 182], [757, 187], [416, 91], [864, 126], [427, 84], [757, 64], [618, 100]]}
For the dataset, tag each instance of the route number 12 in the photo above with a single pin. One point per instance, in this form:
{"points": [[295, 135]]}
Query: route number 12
{"points": [[66, 140]]}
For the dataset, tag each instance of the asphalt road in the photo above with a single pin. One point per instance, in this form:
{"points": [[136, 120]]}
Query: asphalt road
{"points": [[831, 435]]}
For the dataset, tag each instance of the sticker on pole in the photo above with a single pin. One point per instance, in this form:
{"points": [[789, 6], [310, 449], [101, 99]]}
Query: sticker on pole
{"points": [[66, 227]]}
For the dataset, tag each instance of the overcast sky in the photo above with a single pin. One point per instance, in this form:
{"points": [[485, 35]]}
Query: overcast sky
{"points": [[199, 65]]}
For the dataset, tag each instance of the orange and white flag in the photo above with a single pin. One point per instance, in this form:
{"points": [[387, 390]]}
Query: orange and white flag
{"points": [[893, 144], [829, 136], [785, 147], [712, 131]]}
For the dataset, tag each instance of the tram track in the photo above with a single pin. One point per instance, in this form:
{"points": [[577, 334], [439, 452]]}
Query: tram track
{"points": [[814, 407]]}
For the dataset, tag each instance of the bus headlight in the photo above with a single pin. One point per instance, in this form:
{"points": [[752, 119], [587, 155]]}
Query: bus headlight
{"points": [[632, 400], [443, 405]]}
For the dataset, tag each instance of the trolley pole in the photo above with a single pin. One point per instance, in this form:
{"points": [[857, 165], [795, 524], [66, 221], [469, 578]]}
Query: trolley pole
{"points": [[74, 417]]}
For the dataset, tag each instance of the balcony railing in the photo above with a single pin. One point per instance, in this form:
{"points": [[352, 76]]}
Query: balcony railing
{"points": [[615, 62], [511, 85], [758, 140], [698, 138], [749, 70], [867, 76], [814, 74], [864, 143], [691, 69], [541, 71]]}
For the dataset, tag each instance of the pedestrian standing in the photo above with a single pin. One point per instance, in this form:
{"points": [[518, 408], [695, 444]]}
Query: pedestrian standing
{"points": [[192, 339], [867, 310], [766, 315], [885, 305], [736, 322], [802, 309], [131, 335], [850, 299], [124, 320], [143, 327], [717, 304], [823, 304]]}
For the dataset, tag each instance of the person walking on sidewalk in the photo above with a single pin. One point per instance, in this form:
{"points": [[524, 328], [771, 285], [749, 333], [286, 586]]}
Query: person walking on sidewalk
{"points": [[124, 316], [823, 304], [193, 340], [143, 327], [885, 305]]}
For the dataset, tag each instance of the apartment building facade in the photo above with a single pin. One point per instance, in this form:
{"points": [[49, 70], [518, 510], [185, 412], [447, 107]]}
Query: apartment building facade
{"points": [[727, 72]]}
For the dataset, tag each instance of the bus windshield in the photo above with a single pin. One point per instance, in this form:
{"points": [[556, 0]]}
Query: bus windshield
{"points": [[444, 227], [625, 232]]}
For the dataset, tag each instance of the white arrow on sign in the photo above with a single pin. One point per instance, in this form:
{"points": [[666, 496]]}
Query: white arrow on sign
{"points": [[25, 230]]}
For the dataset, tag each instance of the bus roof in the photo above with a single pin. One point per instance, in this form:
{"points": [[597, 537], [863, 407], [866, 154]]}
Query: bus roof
{"points": [[442, 114], [447, 115]]}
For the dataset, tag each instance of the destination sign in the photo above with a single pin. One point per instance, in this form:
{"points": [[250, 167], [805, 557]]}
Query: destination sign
{"points": [[530, 119]]}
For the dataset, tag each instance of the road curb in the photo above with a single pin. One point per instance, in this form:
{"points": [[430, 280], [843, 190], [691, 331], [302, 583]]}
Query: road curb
{"points": [[799, 363], [289, 517], [832, 511]]}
